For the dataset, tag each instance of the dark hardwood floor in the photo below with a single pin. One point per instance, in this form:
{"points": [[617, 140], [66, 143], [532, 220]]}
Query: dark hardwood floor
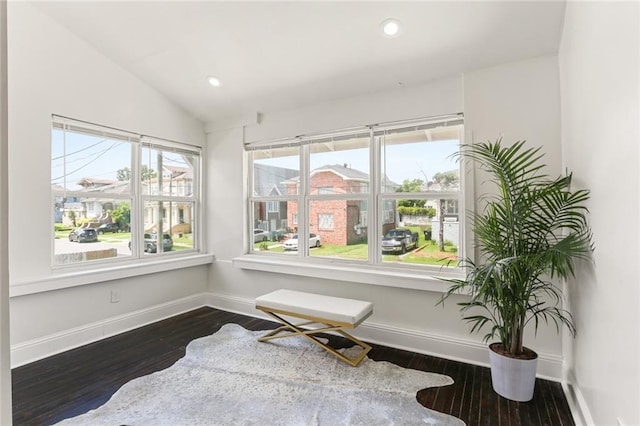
{"points": [[71, 383]]}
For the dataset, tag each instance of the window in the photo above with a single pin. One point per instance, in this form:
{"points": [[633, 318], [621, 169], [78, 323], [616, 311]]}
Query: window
{"points": [[325, 221], [275, 185], [273, 206], [131, 189], [352, 188]]}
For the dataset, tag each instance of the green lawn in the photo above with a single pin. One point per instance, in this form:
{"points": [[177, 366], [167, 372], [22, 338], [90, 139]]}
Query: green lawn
{"points": [[353, 251], [427, 253]]}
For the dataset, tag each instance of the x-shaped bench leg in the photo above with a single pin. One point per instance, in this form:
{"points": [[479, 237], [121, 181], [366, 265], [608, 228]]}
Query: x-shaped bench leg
{"points": [[291, 329]]}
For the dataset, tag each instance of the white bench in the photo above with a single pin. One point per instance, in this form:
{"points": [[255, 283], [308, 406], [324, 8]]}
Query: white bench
{"points": [[333, 313]]}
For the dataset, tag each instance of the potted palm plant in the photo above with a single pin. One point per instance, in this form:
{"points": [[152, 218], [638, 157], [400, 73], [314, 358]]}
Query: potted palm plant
{"points": [[529, 235]]}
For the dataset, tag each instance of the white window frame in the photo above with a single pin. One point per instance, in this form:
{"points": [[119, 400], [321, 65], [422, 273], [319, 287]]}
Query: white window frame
{"points": [[375, 199], [136, 198]]}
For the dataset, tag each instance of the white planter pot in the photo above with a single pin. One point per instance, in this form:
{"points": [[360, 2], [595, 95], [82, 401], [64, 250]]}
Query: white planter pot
{"points": [[513, 378]]}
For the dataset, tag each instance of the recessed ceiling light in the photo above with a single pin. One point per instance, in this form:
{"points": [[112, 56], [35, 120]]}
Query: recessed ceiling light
{"points": [[390, 27], [214, 81]]}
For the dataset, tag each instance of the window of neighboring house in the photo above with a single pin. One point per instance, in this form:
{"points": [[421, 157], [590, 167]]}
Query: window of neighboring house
{"points": [[273, 206], [351, 188], [325, 222], [363, 219], [108, 180], [451, 207]]}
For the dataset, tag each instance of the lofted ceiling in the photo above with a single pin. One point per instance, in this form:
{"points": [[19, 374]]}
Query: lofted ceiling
{"points": [[283, 55]]}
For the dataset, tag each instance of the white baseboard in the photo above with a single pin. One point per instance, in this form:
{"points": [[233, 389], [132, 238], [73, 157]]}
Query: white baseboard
{"points": [[458, 349], [577, 404], [453, 348], [36, 349]]}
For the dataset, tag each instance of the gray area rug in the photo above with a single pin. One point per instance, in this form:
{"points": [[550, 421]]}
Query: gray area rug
{"points": [[229, 378]]}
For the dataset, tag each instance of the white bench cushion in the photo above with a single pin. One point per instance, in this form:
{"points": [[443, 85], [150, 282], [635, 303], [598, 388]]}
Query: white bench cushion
{"points": [[335, 309]]}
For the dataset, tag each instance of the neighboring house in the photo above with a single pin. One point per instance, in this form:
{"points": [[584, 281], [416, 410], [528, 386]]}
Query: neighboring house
{"points": [[63, 206], [177, 216], [95, 207], [269, 181], [451, 214], [339, 222], [451, 207], [69, 209]]}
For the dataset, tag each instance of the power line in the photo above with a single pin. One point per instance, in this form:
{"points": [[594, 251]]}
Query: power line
{"points": [[88, 163], [80, 150]]}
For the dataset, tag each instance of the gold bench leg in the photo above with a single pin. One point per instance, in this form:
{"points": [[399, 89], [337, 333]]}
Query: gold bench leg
{"points": [[291, 329]]}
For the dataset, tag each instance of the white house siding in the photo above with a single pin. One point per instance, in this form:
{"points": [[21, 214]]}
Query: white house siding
{"points": [[451, 231]]}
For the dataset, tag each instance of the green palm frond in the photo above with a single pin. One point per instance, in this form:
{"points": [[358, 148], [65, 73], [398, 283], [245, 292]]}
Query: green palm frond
{"points": [[532, 230]]}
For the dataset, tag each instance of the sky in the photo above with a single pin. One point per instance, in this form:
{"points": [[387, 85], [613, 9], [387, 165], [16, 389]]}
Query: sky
{"points": [[403, 161], [96, 157]]}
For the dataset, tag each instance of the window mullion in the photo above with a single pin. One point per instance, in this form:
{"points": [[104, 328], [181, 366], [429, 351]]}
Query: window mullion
{"points": [[138, 204], [249, 240], [303, 203], [374, 210]]}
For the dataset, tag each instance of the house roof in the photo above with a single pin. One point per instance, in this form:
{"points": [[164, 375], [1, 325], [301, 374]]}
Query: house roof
{"points": [[95, 182], [270, 180], [116, 187], [178, 173], [346, 173]]}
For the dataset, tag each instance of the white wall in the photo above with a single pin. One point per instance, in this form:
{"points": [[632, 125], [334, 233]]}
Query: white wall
{"points": [[52, 71], [600, 132], [5, 361], [519, 100]]}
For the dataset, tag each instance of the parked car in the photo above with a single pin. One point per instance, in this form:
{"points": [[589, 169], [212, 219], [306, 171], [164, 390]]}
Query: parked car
{"points": [[83, 235], [399, 240], [151, 242], [108, 227], [260, 235], [292, 243]]}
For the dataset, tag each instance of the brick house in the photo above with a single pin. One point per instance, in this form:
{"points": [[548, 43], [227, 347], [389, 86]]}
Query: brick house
{"points": [[339, 222]]}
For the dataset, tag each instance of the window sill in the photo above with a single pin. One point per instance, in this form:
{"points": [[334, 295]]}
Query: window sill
{"points": [[62, 280], [388, 276]]}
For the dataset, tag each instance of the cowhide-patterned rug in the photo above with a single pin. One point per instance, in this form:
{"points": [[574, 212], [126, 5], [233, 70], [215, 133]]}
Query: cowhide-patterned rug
{"points": [[229, 378]]}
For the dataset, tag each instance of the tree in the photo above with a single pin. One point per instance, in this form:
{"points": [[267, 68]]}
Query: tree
{"points": [[122, 215], [413, 185], [445, 180], [72, 218], [123, 174], [146, 173]]}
